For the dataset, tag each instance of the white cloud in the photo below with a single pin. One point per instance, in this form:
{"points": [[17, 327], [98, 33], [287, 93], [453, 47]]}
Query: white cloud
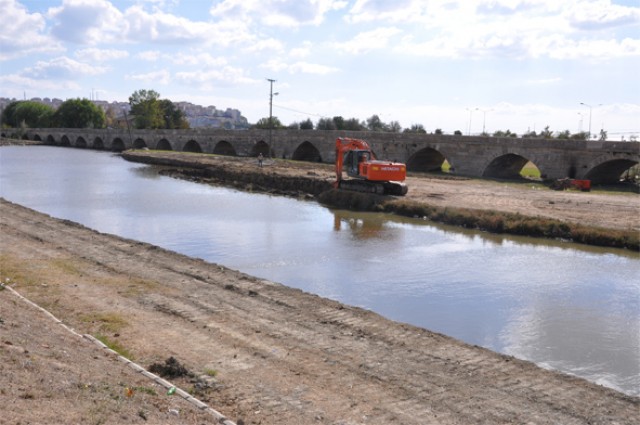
{"points": [[302, 51], [601, 14], [149, 55], [208, 79], [271, 44], [515, 29], [278, 13], [101, 55], [368, 40], [162, 77], [61, 68], [299, 67], [386, 11], [14, 85], [23, 33], [87, 22]]}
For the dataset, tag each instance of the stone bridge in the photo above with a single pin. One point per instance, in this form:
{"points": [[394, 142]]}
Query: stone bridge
{"points": [[503, 158]]}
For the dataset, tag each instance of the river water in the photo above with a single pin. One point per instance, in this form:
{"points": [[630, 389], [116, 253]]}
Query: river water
{"points": [[562, 306]]}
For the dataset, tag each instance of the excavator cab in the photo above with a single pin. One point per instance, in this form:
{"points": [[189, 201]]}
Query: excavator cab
{"points": [[356, 162]]}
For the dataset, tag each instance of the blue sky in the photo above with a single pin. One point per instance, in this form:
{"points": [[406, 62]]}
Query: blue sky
{"points": [[450, 64]]}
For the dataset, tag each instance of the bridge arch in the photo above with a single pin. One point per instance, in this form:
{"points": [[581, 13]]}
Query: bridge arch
{"points": [[224, 148], [97, 143], [50, 140], [427, 159], [139, 144], [609, 171], [507, 166], [164, 145], [192, 146], [117, 145], [64, 141], [37, 138], [80, 142], [306, 151], [261, 147]]}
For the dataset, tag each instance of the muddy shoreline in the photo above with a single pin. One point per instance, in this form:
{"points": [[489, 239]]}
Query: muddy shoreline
{"points": [[279, 355], [525, 209]]}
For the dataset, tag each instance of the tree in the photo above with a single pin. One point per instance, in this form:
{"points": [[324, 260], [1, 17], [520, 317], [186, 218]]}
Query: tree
{"points": [[146, 109], [583, 135], [418, 129], [439, 131], [326, 124], [28, 113], [564, 135], [394, 127], [374, 123], [457, 133], [546, 133], [79, 113], [173, 117], [339, 123], [266, 123], [353, 124], [306, 125]]}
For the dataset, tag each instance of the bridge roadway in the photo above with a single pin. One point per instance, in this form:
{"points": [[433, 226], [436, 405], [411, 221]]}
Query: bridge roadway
{"points": [[601, 162]]}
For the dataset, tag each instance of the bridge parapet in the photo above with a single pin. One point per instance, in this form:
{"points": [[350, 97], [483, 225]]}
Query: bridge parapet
{"points": [[467, 155]]}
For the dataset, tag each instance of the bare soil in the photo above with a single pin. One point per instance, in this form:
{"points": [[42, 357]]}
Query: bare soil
{"points": [[278, 355]]}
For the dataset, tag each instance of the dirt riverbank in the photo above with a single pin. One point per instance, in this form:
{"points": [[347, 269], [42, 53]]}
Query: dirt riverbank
{"points": [[278, 355], [607, 218]]}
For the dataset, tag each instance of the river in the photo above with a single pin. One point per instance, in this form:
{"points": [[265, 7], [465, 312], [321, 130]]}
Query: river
{"points": [[563, 306]]}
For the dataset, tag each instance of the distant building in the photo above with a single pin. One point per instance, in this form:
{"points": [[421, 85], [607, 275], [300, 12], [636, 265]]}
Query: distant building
{"points": [[196, 115]]}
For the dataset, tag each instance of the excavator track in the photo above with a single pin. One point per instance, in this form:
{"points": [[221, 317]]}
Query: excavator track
{"points": [[383, 188]]}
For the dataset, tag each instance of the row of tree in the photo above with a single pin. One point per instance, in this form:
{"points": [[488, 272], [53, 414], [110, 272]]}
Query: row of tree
{"points": [[374, 123], [72, 113], [147, 110]]}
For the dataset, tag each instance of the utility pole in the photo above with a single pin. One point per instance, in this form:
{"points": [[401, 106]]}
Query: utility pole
{"points": [[271, 94]]}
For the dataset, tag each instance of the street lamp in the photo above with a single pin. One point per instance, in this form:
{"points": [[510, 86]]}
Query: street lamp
{"points": [[470, 114], [590, 110], [484, 118], [580, 122]]}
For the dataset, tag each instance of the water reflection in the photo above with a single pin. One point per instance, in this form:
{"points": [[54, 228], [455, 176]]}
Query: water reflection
{"points": [[570, 307]]}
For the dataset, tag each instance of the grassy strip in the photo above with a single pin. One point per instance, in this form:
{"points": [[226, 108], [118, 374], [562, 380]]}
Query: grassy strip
{"points": [[115, 346], [486, 220]]}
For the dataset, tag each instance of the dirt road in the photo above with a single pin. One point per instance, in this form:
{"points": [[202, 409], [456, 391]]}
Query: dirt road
{"points": [[279, 356]]}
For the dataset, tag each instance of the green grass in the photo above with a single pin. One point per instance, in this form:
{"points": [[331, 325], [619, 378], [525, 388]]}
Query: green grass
{"points": [[115, 346], [211, 372], [530, 171]]}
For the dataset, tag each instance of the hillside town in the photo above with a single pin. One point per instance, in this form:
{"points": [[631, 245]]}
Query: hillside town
{"points": [[198, 116]]}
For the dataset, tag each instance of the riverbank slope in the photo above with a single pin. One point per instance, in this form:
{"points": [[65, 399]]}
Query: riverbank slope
{"points": [[278, 355]]}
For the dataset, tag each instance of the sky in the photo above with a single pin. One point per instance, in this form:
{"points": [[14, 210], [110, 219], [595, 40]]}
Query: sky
{"points": [[468, 65]]}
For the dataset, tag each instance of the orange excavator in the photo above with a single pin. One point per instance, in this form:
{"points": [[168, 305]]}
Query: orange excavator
{"points": [[368, 174]]}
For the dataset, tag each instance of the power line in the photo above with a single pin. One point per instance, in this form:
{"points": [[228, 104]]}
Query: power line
{"points": [[300, 112]]}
